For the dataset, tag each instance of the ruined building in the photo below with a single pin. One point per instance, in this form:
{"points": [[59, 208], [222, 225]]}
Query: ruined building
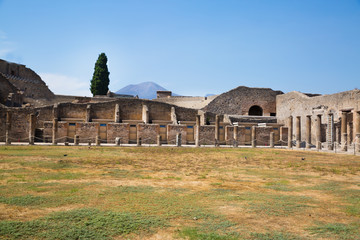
{"points": [[241, 116]]}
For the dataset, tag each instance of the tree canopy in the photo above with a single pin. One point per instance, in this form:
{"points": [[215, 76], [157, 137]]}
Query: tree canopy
{"points": [[100, 81]]}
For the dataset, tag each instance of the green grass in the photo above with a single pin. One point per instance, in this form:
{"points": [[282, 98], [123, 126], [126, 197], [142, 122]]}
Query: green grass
{"points": [[336, 230], [80, 224]]}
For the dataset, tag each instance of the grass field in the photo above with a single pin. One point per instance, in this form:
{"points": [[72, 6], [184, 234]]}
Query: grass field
{"points": [[60, 192]]}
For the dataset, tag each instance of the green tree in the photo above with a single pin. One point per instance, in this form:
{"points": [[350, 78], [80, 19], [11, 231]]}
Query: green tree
{"points": [[100, 81]]}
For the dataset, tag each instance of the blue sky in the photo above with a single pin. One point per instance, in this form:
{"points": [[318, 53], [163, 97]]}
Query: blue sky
{"points": [[192, 47]]}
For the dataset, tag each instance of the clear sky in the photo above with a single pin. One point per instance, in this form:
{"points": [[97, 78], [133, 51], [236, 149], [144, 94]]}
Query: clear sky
{"points": [[192, 47]]}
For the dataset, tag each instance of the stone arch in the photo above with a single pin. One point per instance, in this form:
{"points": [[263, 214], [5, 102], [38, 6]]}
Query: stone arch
{"points": [[255, 110]]}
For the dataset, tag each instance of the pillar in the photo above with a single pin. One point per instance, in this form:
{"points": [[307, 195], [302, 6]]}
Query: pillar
{"points": [[298, 131], [318, 132], [308, 131], [117, 113], [272, 139], [55, 111], [344, 131], [217, 130], [173, 117], [178, 140], [158, 140], [197, 131], [8, 128], [54, 131], [290, 132], [253, 136], [236, 130], [97, 140], [88, 113], [32, 125], [76, 140], [357, 131], [330, 132], [145, 114]]}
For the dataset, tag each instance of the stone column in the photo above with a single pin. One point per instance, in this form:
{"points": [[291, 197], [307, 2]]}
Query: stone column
{"points": [[272, 139], [253, 136], [97, 140], [308, 131], [145, 114], [318, 132], [8, 128], [76, 140], [173, 117], [330, 132], [158, 140], [55, 111], [32, 125], [344, 131], [197, 131], [178, 140], [236, 130], [290, 132], [357, 131], [117, 113], [88, 113], [54, 131], [217, 130], [298, 131]]}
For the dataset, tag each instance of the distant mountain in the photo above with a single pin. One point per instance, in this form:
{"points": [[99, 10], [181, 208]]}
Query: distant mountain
{"points": [[145, 90]]}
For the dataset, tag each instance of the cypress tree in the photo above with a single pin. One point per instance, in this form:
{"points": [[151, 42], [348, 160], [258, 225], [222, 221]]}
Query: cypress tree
{"points": [[100, 81]]}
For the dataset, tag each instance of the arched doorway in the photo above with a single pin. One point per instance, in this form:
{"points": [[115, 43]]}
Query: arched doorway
{"points": [[255, 111]]}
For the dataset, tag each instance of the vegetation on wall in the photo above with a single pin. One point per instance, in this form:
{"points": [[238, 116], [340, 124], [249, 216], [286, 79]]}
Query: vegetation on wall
{"points": [[100, 81]]}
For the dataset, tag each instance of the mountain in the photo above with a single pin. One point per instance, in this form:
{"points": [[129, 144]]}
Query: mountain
{"points": [[145, 90]]}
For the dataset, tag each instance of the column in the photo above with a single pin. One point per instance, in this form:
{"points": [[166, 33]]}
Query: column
{"points": [[173, 116], [236, 130], [145, 114], [217, 130], [253, 136], [158, 140], [318, 132], [290, 132], [357, 131], [178, 140], [308, 131], [344, 131], [197, 131], [54, 131], [330, 132], [55, 111], [117, 113], [32, 125], [88, 113], [298, 132], [8, 128], [272, 139]]}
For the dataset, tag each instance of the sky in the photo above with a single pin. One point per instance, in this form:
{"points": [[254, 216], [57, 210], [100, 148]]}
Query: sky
{"points": [[191, 47]]}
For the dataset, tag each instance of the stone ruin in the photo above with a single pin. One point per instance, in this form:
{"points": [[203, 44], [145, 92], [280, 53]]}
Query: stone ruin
{"points": [[241, 116]]}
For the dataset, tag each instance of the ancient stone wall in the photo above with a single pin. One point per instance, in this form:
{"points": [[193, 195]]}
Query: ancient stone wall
{"points": [[121, 130], [173, 130], [187, 102], [207, 135], [238, 101], [148, 133]]}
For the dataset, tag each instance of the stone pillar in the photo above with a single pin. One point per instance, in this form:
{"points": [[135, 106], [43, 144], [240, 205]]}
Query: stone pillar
{"points": [[88, 113], [97, 140], [236, 130], [158, 140], [330, 132], [318, 132], [32, 125], [8, 128], [357, 131], [344, 131], [117, 113], [178, 140], [173, 117], [290, 132], [117, 141], [308, 131], [54, 131], [197, 131], [217, 130], [253, 136], [76, 140], [145, 114], [55, 111], [298, 131], [272, 139]]}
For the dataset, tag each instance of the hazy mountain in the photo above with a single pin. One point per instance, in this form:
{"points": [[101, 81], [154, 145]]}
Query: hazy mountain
{"points": [[143, 90]]}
